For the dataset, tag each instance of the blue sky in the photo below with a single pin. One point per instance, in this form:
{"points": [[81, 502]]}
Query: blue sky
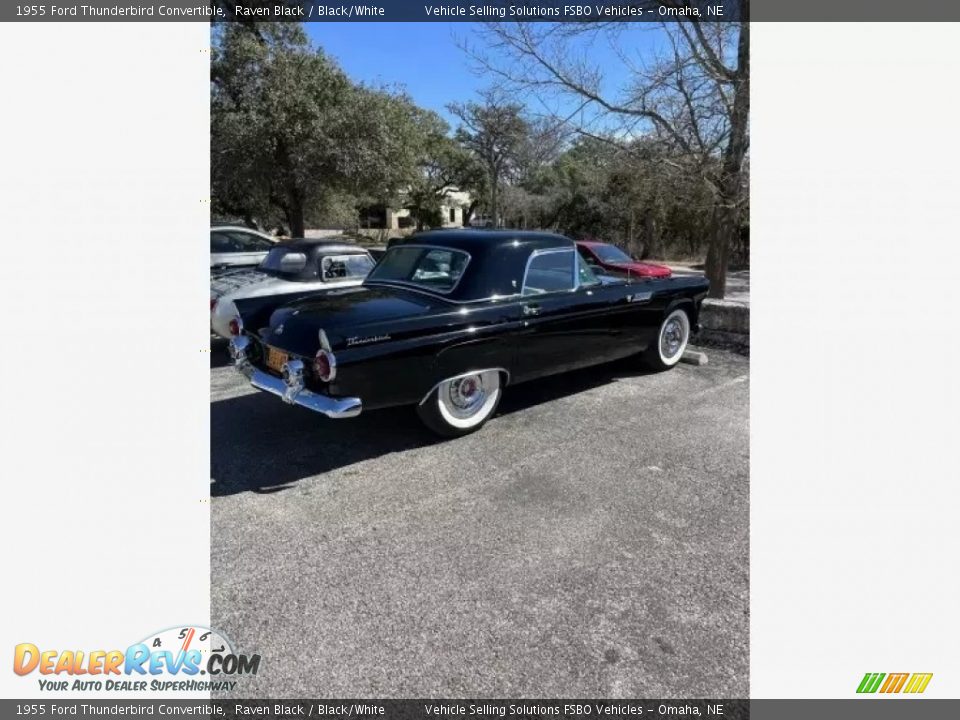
{"points": [[425, 59]]}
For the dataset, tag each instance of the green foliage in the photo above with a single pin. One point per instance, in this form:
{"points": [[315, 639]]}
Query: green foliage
{"points": [[444, 165], [296, 142], [293, 139], [632, 195]]}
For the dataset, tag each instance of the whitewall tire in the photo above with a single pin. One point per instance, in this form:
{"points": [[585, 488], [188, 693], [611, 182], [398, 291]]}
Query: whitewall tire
{"points": [[671, 341], [462, 404]]}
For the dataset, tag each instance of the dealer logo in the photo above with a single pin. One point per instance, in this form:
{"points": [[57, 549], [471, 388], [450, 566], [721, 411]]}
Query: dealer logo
{"points": [[910, 683], [181, 658]]}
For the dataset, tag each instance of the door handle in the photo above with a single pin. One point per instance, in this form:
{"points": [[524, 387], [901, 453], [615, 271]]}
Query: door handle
{"points": [[531, 309]]}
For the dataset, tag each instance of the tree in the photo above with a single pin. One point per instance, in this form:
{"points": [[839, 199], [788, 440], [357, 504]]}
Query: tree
{"points": [[292, 135], [496, 132], [694, 100], [444, 166]]}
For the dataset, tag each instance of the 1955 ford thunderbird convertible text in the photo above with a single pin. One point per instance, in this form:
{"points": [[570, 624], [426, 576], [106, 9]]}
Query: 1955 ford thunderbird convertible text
{"points": [[449, 318]]}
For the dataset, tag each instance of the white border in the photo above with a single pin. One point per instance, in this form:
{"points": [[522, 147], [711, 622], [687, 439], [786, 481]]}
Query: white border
{"points": [[855, 392], [104, 445]]}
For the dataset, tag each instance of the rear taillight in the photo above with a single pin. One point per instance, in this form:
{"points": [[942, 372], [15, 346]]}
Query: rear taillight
{"points": [[325, 365], [235, 327]]}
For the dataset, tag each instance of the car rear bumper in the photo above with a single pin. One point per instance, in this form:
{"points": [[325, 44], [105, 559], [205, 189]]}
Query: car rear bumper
{"points": [[290, 387]]}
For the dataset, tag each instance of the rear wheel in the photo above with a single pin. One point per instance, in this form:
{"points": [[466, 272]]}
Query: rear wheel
{"points": [[461, 405], [671, 341]]}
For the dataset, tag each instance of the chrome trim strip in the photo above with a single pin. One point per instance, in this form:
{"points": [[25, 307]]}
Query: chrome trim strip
{"points": [[463, 375], [415, 285], [411, 288]]}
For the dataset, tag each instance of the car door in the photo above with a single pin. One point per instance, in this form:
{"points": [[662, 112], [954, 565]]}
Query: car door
{"points": [[564, 322]]}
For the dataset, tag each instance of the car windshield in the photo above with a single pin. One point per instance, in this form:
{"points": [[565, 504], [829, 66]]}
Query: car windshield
{"points": [[342, 267], [611, 254], [433, 268]]}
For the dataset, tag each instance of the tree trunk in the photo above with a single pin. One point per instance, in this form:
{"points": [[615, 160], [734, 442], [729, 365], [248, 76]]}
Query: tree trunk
{"points": [[494, 202], [295, 218], [730, 190], [718, 252], [651, 246], [469, 211]]}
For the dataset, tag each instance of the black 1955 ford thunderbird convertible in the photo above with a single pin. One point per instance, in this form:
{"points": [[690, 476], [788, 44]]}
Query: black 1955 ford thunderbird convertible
{"points": [[449, 318]]}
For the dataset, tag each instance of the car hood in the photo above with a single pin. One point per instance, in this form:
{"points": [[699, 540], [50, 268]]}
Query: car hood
{"points": [[349, 316], [644, 269]]}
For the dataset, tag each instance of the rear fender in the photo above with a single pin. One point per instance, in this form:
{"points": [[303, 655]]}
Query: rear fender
{"points": [[691, 305]]}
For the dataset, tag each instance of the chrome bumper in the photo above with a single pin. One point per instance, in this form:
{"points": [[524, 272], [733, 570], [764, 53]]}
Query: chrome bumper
{"points": [[290, 388]]}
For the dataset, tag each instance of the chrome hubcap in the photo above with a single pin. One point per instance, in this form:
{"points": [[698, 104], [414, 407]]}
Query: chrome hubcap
{"points": [[672, 338], [466, 395]]}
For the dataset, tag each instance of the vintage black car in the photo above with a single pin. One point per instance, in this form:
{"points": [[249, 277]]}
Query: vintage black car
{"points": [[449, 318]]}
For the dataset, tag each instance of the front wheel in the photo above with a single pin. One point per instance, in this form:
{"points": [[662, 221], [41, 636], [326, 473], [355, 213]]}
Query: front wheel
{"points": [[461, 405], [671, 341]]}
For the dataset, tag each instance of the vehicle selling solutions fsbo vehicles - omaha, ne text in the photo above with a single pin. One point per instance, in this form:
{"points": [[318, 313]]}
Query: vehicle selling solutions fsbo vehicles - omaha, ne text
{"points": [[447, 319], [292, 269]]}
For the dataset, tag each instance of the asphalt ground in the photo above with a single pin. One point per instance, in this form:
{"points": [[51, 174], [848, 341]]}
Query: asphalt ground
{"points": [[590, 541]]}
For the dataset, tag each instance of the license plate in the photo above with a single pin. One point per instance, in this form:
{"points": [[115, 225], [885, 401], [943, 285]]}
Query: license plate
{"points": [[276, 359]]}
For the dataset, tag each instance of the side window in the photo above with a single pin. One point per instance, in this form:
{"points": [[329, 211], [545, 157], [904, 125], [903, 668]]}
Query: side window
{"points": [[587, 275], [586, 256], [549, 272], [248, 242], [220, 243]]}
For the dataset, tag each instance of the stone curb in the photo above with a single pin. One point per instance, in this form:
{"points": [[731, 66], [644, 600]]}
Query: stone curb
{"points": [[725, 324]]}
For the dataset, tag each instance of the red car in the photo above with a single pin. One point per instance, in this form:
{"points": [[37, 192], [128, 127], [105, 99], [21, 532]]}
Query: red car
{"points": [[613, 259]]}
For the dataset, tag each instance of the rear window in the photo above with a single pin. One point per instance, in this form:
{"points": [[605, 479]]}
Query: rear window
{"points": [[437, 269], [342, 267]]}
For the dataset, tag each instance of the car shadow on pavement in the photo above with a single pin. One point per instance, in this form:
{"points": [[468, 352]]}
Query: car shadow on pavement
{"points": [[259, 444], [537, 392]]}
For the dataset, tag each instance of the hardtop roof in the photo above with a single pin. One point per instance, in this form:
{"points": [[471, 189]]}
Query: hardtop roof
{"points": [[324, 245], [476, 241], [498, 258]]}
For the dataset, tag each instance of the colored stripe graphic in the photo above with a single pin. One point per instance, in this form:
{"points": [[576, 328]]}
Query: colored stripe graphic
{"points": [[918, 682], [894, 682], [870, 682]]}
